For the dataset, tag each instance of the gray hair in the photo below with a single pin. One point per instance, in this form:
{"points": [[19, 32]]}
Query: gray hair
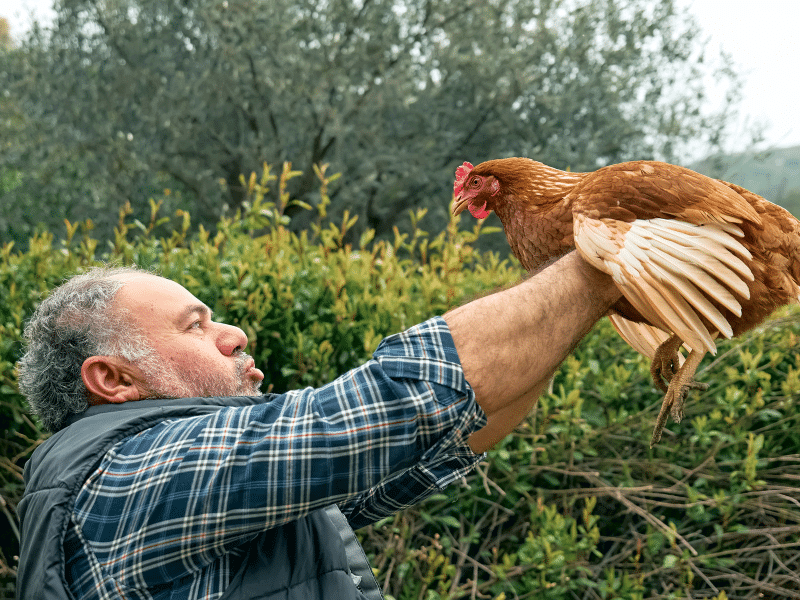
{"points": [[76, 321]]}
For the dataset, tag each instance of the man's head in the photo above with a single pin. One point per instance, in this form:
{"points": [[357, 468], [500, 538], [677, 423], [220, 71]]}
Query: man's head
{"points": [[118, 335]]}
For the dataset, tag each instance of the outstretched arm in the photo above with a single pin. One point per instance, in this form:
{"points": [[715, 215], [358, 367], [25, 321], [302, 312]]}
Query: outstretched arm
{"points": [[510, 343]]}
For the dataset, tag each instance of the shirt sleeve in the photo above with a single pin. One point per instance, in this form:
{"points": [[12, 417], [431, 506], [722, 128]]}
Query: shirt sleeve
{"points": [[175, 497], [448, 460]]}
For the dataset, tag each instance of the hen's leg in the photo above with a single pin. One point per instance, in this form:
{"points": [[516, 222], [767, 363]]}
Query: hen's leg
{"points": [[679, 386], [665, 362]]}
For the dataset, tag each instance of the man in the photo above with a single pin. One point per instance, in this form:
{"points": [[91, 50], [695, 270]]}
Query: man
{"points": [[226, 494]]}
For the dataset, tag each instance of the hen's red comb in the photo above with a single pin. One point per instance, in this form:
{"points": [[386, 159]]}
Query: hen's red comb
{"points": [[461, 177]]}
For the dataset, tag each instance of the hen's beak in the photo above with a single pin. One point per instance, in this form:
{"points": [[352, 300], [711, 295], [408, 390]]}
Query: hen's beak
{"points": [[459, 204]]}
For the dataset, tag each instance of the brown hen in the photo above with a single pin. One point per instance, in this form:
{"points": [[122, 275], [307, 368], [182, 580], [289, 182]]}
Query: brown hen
{"points": [[694, 257]]}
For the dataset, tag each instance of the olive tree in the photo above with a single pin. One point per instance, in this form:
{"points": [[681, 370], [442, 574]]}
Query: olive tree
{"points": [[119, 100]]}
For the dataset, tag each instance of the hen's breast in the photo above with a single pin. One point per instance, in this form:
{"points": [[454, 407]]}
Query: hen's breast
{"points": [[537, 234]]}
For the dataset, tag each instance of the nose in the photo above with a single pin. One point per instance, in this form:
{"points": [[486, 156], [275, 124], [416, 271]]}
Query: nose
{"points": [[230, 339]]}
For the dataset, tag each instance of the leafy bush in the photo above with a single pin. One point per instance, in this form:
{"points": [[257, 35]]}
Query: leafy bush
{"points": [[574, 505]]}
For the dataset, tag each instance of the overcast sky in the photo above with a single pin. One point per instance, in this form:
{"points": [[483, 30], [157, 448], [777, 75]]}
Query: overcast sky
{"points": [[762, 36]]}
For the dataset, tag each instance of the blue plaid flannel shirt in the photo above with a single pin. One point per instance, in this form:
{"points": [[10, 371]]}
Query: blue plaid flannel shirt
{"points": [[170, 506]]}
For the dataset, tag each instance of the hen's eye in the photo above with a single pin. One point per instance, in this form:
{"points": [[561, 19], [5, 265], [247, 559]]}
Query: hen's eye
{"points": [[476, 181]]}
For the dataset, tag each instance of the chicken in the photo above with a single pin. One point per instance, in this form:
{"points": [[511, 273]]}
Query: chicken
{"points": [[694, 257]]}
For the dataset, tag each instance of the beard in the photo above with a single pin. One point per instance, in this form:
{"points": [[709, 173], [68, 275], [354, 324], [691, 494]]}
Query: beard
{"points": [[163, 381]]}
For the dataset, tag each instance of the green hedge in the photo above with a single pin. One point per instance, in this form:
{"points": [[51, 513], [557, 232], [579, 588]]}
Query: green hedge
{"points": [[574, 505]]}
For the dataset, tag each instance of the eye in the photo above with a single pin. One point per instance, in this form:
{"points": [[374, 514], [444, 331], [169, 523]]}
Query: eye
{"points": [[196, 325], [476, 181]]}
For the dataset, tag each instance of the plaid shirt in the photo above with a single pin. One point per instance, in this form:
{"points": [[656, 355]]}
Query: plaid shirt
{"points": [[167, 511]]}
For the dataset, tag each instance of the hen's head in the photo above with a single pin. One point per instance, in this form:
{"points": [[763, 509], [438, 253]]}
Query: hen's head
{"points": [[517, 183], [475, 191]]}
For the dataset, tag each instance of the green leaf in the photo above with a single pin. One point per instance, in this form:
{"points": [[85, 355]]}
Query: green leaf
{"points": [[670, 560]]}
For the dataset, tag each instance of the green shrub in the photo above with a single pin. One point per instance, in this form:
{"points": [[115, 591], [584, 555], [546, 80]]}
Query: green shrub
{"points": [[574, 505]]}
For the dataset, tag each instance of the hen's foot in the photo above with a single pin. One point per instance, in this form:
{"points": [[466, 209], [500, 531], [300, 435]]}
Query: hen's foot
{"points": [[679, 387], [666, 362]]}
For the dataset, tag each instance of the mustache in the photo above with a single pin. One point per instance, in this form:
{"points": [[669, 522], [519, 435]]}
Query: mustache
{"points": [[242, 359]]}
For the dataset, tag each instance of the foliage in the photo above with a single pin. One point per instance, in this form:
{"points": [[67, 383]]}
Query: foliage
{"points": [[791, 202], [121, 100], [773, 173], [574, 505]]}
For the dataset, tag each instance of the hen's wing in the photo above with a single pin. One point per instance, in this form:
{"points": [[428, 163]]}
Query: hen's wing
{"points": [[669, 238], [642, 337]]}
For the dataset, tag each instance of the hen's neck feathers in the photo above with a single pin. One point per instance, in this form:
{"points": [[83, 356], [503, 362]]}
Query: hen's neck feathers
{"points": [[536, 218], [531, 182]]}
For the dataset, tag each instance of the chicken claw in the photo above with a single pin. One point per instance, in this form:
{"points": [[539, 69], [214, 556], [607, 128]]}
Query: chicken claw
{"points": [[666, 362], [679, 386]]}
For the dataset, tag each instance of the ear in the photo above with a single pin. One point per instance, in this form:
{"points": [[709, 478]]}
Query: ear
{"points": [[110, 380]]}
